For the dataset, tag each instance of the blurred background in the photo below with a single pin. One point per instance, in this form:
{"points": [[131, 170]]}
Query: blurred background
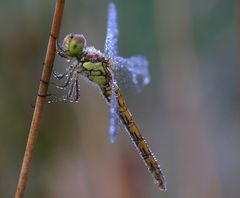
{"points": [[189, 114]]}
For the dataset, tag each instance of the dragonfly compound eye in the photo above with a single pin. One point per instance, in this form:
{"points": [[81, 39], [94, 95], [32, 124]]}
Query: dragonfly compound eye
{"points": [[74, 44]]}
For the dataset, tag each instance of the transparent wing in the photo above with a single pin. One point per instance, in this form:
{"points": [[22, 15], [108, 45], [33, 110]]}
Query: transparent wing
{"points": [[132, 72], [113, 116], [110, 49]]}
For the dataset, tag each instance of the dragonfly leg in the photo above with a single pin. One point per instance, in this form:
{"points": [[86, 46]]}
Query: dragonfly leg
{"points": [[67, 97], [73, 93], [66, 83], [59, 48], [60, 76], [70, 93], [76, 90], [60, 51], [69, 73]]}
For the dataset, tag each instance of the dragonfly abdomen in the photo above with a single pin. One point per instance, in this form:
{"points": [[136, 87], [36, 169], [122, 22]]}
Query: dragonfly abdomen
{"points": [[140, 142]]}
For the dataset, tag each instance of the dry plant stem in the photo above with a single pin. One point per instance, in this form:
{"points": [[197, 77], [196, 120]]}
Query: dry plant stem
{"points": [[42, 91]]}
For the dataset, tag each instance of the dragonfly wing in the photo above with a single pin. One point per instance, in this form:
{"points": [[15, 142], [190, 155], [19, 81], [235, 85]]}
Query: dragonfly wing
{"points": [[113, 115], [110, 49], [132, 71]]}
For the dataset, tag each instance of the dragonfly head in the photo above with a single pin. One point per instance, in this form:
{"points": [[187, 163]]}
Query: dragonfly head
{"points": [[73, 44]]}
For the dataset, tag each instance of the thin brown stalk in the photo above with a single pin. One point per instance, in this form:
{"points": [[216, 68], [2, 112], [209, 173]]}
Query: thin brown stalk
{"points": [[42, 92]]}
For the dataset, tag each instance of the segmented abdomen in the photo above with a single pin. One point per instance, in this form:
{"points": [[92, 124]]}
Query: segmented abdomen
{"points": [[138, 140]]}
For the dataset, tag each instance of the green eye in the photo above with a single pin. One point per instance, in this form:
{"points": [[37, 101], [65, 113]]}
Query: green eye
{"points": [[74, 44], [75, 48]]}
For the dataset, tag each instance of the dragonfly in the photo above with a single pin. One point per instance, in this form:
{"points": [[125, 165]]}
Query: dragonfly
{"points": [[104, 70]]}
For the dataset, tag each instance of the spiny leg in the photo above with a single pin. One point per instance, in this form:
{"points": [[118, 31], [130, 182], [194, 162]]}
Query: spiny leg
{"points": [[73, 93], [60, 76], [60, 51], [63, 98], [77, 90], [66, 83], [70, 71], [59, 48], [67, 97]]}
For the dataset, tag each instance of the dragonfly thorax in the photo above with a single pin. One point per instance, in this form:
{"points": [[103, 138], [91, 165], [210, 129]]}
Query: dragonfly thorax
{"points": [[95, 66]]}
